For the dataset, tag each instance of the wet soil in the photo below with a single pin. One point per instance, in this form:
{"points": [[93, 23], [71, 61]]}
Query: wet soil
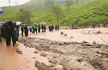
{"points": [[68, 55]]}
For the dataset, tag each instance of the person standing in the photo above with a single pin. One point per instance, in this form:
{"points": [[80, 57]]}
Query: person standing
{"points": [[9, 33], [0, 32], [30, 29], [22, 27], [38, 28], [35, 28], [17, 32], [57, 27], [42, 28], [70, 26], [26, 30]]}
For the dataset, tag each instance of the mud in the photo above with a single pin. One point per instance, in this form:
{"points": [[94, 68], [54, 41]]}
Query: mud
{"points": [[68, 55]]}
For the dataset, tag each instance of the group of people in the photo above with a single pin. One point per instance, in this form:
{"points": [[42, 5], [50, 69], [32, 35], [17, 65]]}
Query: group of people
{"points": [[51, 27], [11, 30], [99, 25], [32, 29], [36, 28], [8, 31]]}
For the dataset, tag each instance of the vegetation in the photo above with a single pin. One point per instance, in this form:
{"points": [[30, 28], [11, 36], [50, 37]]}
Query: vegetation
{"points": [[83, 13], [57, 11], [69, 3]]}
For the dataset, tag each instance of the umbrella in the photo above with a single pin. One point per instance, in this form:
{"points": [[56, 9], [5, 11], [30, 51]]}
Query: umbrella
{"points": [[42, 23], [6, 23], [35, 24], [1, 11], [18, 23]]}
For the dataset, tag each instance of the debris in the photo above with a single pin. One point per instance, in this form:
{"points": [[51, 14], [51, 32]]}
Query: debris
{"points": [[18, 51]]}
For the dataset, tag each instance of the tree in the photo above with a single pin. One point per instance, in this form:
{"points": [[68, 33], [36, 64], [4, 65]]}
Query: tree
{"points": [[21, 10], [68, 3], [24, 16], [48, 4], [57, 11]]}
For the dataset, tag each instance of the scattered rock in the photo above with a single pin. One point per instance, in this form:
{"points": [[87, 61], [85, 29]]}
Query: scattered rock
{"points": [[86, 44], [65, 34], [18, 51], [36, 52], [43, 54], [79, 60], [97, 64]]}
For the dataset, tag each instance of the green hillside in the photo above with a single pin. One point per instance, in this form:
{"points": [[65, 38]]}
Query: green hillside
{"points": [[82, 14]]}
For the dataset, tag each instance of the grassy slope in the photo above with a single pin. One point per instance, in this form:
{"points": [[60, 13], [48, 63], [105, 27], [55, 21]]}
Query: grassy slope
{"points": [[80, 15]]}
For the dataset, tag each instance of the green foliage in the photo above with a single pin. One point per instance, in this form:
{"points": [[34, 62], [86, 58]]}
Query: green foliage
{"points": [[68, 3], [24, 16], [57, 11], [81, 15]]}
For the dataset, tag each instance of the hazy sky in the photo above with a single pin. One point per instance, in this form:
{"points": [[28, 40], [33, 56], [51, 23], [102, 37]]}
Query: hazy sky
{"points": [[6, 2]]}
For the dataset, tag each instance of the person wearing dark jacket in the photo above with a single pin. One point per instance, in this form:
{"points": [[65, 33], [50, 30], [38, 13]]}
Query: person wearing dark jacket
{"points": [[0, 35], [10, 33], [38, 28], [42, 28], [17, 32], [22, 30], [26, 30]]}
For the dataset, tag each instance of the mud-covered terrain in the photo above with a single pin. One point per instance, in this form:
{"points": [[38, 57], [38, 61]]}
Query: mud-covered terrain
{"points": [[68, 55]]}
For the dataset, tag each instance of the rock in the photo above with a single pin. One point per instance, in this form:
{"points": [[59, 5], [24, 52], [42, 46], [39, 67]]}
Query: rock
{"points": [[36, 52], [65, 34], [43, 54], [94, 42], [61, 43], [96, 46], [86, 44], [66, 43], [79, 60], [98, 32], [18, 51], [84, 41], [61, 33], [53, 61]]}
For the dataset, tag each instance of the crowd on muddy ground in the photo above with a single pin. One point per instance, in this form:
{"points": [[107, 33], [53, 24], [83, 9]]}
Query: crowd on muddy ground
{"points": [[11, 30]]}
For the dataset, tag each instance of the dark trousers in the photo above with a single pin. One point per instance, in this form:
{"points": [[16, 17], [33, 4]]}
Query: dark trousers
{"points": [[8, 39], [42, 30], [0, 38], [34, 30], [22, 33], [26, 33]]}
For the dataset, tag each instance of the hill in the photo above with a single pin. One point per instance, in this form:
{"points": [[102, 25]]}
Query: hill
{"points": [[82, 14]]}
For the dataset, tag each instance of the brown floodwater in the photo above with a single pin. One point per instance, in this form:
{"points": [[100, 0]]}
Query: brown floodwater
{"points": [[11, 60]]}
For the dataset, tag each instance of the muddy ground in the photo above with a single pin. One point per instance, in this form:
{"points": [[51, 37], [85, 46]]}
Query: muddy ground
{"points": [[68, 55]]}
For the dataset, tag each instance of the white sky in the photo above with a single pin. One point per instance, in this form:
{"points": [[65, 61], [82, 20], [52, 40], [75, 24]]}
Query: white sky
{"points": [[6, 2]]}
